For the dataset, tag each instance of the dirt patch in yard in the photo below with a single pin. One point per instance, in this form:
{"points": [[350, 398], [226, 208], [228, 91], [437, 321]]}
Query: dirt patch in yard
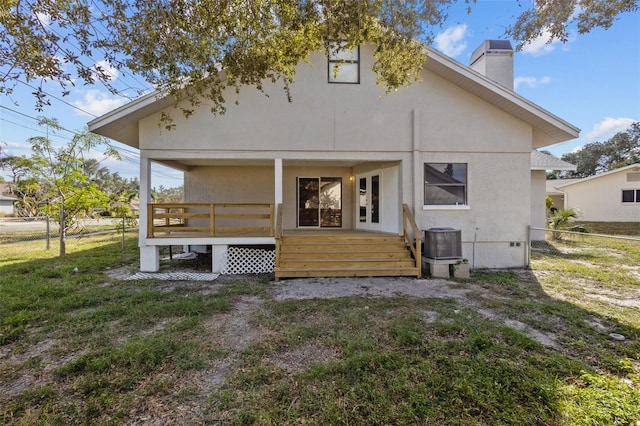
{"points": [[231, 333], [329, 288]]}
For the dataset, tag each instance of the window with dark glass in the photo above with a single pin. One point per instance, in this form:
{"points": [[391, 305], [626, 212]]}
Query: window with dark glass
{"points": [[445, 184], [631, 195], [344, 64]]}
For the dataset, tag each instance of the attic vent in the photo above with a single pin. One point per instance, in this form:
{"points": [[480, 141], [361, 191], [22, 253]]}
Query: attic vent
{"points": [[633, 177], [442, 243]]}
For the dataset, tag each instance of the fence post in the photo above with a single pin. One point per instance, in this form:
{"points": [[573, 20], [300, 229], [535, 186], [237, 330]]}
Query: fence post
{"points": [[48, 234], [122, 232]]}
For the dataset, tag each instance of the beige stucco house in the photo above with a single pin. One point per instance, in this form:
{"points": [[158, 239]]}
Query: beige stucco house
{"points": [[540, 164], [344, 160], [613, 196]]}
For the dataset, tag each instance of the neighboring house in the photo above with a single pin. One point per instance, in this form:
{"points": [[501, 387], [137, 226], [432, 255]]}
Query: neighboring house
{"points": [[556, 195], [613, 196], [6, 205], [340, 162], [540, 164], [6, 200]]}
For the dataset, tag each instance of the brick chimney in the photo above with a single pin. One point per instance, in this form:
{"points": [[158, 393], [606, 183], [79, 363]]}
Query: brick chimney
{"points": [[494, 59]]}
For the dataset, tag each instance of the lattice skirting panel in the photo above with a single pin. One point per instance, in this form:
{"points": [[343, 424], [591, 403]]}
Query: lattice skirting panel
{"points": [[249, 261]]}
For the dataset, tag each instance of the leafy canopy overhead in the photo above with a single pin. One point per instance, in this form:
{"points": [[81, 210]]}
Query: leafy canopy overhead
{"points": [[623, 149], [183, 47]]}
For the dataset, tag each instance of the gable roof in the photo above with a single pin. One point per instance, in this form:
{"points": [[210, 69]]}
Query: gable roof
{"points": [[542, 161], [554, 184], [121, 124], [635, 167]]}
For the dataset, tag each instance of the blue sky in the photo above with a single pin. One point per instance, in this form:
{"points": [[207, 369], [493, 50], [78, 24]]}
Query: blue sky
{"points": [[592, 81]]}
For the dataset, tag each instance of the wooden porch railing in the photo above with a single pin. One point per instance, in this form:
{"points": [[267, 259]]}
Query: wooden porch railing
{"points": [[210, 218], [415, 247], [278, 234]]}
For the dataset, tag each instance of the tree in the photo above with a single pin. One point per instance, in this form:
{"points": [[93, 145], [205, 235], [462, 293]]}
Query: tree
{"points": [[563, 220], [621, 150], [17, 166], [58, 173], [556, 17], [194, 50], [168, 195], [120, 191]]}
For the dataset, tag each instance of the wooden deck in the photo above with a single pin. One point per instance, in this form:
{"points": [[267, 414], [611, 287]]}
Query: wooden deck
{"points": [[299, 252], [346, 254]]}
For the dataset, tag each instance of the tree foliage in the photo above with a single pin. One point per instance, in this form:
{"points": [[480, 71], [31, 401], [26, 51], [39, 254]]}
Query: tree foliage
{"points": [[563, 220], [194, 50], [621, 150], [168, 195], [119, 191], [54, 180], [555, 18]]}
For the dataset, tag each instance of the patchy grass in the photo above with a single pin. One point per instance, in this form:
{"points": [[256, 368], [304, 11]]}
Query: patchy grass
{"points": [[12, 237], [516, 347], [631, 229]]}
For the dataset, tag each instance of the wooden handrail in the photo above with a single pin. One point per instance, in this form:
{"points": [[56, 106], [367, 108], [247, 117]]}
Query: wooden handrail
{"points": [[278, 234], [175, 217], [416, 249]]}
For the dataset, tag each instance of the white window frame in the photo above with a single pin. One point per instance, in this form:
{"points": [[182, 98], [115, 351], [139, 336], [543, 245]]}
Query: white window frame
{"points": [[465, 185], [636, 196]]}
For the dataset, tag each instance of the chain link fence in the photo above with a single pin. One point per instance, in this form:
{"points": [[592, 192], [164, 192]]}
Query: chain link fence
{"points": [[579, 245], [17, 230]]}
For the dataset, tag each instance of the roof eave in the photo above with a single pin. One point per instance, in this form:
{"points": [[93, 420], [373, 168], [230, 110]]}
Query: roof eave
{"points": [[121, 123], [635, 166]]}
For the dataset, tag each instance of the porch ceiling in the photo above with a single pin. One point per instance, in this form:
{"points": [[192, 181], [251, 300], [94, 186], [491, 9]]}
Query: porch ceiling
{"points": [[187, 164]]}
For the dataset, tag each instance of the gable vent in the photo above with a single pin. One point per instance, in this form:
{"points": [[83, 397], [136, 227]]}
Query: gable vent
{"points": [[633, 177]]}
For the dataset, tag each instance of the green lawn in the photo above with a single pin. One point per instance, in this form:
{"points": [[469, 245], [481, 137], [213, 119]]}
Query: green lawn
{"points": [[86, 348], [631, 229]]}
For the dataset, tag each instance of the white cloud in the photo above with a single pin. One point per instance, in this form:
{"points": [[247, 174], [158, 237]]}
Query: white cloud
{"points": [[43, 18], [97, 103], [609, 127], [577, 149], [540, 45], [531, 82], [450, 42], [14, 148], [16, 145]]}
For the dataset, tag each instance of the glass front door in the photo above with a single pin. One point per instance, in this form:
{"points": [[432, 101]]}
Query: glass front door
{"points": [[369, 201], [320, 202]]}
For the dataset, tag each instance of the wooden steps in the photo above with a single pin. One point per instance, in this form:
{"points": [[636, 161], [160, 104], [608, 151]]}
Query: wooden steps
{"points": [[368, 255]]}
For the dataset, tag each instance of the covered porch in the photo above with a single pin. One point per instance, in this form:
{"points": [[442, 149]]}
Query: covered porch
{"points": [[297, 252]]}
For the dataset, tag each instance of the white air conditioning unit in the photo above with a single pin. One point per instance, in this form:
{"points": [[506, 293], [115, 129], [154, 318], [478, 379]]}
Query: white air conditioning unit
{"points": [[442, 243]]}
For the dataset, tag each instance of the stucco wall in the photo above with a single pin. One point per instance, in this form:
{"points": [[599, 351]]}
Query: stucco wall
{"points": [[558, 201], [226, 184], [498, 211], [432, 121], [538, 203], [6, 207], [600, 199], [344, 117]]}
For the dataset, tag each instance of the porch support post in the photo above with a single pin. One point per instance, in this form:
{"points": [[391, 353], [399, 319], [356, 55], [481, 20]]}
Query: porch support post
{"points": [[277, 177], [149, 255], [218, 257]]}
